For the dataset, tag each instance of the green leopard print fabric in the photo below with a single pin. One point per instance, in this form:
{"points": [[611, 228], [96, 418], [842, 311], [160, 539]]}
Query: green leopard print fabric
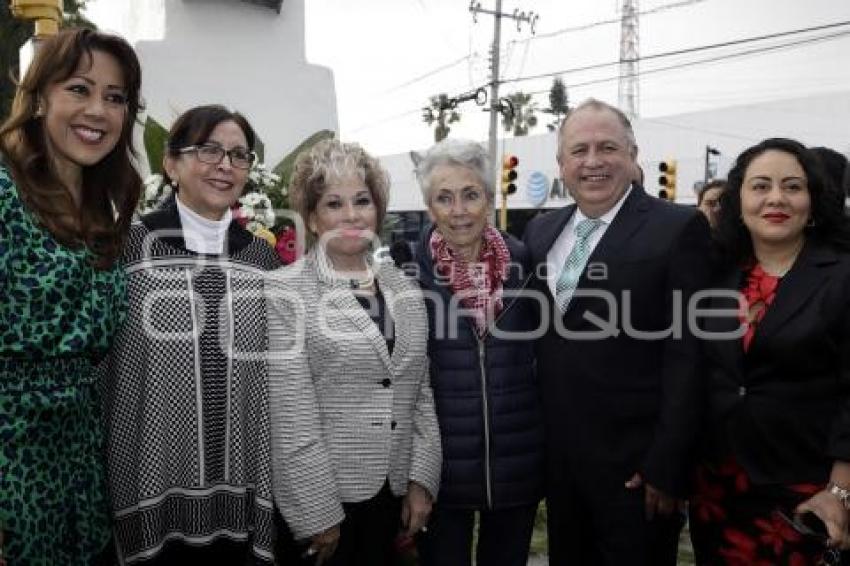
{"points": [[57, 316]]}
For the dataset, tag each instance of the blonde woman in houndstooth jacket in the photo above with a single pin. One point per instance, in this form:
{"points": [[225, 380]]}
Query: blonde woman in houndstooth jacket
{"points": [[355, 441]]}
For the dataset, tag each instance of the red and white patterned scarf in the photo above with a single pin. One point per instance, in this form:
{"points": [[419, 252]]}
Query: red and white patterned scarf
{"points": [[478, 284]]}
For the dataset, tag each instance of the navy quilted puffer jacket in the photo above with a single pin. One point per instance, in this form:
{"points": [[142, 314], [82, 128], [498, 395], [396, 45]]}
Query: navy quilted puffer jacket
{"points": [[486, 395]]}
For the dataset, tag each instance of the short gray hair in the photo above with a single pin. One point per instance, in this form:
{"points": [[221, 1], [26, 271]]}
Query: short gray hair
{"points": [[598, 105], [457, 152]]}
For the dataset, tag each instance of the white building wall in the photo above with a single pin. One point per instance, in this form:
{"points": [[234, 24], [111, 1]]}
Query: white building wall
{"points": [[814, 121], [244, 56]]}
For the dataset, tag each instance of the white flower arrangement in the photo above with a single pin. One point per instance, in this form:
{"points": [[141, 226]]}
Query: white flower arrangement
{"points": [[263, 179], [257, 209]]}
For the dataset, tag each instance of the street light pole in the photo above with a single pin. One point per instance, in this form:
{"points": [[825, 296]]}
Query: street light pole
{"points": [[709, 151]]}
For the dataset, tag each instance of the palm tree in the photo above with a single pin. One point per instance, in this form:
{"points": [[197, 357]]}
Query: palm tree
{"points": [[559, 103], [442, 111], [520, 115]]}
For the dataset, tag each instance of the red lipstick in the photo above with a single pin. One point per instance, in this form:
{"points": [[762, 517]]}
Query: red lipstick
{"points": [[776, 217]]}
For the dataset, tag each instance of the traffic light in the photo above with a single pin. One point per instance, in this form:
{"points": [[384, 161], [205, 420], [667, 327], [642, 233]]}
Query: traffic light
{"points": [[509, 163], [667, 180], [46, 13]]}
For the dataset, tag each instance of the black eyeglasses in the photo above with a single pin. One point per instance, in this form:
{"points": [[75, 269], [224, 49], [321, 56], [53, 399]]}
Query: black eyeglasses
{"points": [[212, 153]]}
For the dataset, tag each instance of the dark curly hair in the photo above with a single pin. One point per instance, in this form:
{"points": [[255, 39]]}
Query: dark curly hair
{"points": [[830, 226]]}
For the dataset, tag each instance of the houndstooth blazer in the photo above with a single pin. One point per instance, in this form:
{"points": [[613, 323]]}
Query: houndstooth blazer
{"points": [[346, 415]]}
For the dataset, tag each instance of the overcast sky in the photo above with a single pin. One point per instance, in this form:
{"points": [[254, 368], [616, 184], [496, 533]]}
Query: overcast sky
{"points": [[379, 48]]}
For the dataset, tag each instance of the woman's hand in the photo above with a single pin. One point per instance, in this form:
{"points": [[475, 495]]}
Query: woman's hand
{"points": [[415, 509], [656, 502], [830, 510], [323, 544]]}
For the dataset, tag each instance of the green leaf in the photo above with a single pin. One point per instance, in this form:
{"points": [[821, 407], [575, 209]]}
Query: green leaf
{"points": [[155, 137], [260, 149], [284, 168]]}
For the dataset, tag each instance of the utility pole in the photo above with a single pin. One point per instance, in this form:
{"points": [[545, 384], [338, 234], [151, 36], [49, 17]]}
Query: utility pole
{"points": [[496, 105], [493, 141], [629, 85]]}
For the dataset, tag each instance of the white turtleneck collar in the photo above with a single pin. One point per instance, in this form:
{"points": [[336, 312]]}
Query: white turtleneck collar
{"points": [[202, 235]]}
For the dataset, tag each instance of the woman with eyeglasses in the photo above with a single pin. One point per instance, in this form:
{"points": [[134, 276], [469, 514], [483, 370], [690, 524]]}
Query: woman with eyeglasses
{"points": [[185, 384]]}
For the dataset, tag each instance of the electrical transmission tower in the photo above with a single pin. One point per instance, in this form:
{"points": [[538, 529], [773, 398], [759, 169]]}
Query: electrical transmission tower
{"points": [[629, 86]]}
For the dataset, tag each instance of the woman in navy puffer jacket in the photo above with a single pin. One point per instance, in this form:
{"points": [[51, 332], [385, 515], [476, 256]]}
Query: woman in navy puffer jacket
{"points": [[482, 322]]}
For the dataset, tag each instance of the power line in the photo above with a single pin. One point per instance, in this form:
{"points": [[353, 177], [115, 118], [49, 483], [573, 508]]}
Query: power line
{"points": [[382, 121], [428, 74], [683, 51], [440, 29], [700, 130], [715, 59], [470, 56], [599, 23]]}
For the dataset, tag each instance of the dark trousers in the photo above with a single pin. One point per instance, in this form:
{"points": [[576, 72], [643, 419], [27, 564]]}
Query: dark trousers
{"points": [[367, 535], [594, 519], [503, 537]]}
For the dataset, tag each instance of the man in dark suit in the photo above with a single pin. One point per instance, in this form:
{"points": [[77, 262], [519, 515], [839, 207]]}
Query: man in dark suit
{"points": [[619, 363]]}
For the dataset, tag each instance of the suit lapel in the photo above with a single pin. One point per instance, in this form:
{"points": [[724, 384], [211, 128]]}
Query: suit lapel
{"points": [[340, 297], [545, 238], [399, 310], [807, 275], [343, 299], [628, 220], [730, 351]]}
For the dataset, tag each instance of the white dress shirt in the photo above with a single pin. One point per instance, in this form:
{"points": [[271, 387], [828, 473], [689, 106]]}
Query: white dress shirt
{"points": [[566, 240], [202, 235]]}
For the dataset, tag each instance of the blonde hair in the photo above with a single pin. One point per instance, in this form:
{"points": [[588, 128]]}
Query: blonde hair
{"points": [[330, 160]]}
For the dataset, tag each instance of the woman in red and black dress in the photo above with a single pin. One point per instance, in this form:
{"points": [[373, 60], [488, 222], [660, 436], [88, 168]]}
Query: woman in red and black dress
{"points": [[778, 434]]}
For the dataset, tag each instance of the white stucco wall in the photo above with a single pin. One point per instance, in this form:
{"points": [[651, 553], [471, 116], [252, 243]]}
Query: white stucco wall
{"points": [[244, 56], [814, 121]]}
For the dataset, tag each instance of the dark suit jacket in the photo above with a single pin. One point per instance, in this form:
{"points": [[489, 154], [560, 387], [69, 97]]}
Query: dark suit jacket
{"points": [[783, 407], [619, 401]]}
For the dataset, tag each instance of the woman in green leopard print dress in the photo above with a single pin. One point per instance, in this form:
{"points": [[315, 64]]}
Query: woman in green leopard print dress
{"points": [[67, 194]]}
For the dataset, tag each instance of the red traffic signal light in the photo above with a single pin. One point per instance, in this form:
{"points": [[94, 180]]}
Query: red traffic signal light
{"points": [[509, 174]]}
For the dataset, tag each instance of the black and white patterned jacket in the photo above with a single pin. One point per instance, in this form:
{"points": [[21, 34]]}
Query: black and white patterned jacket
{"points": [[346, 414], [185, 394]]}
